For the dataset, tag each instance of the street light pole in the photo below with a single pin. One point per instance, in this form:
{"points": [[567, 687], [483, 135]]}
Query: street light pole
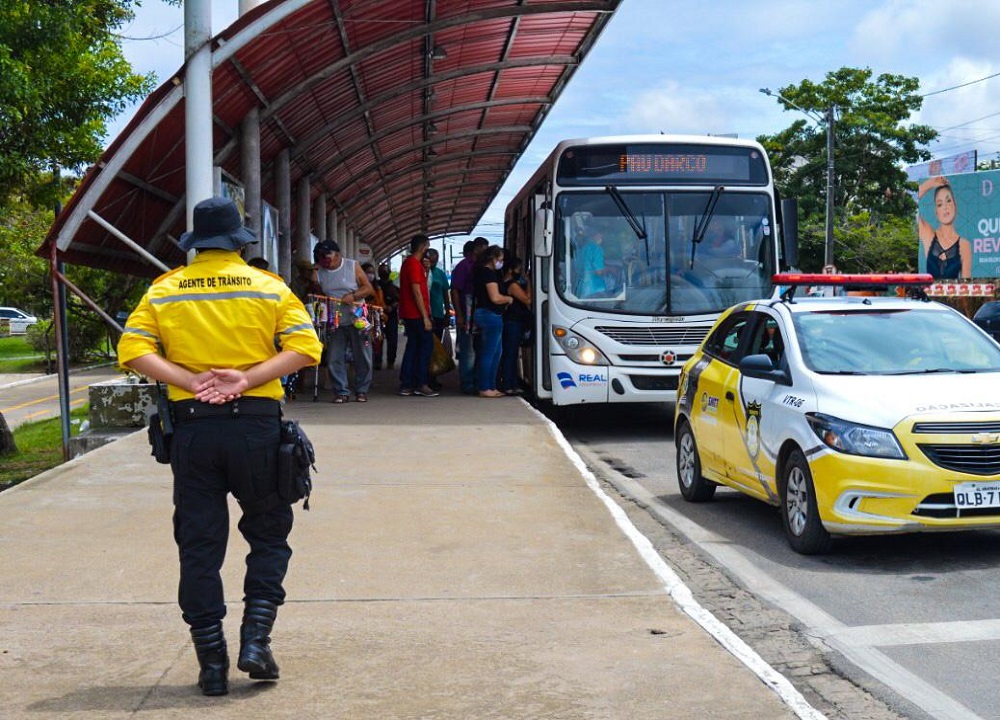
{"points": [[828, 121], [828, 254]]}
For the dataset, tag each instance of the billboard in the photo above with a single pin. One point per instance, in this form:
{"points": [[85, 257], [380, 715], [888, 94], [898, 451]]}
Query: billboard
{"points": [[951, 165], [958, 225]]}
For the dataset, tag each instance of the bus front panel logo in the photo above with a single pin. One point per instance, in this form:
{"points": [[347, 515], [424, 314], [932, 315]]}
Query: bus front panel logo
{"points": [[668, 357], [566, 380]]}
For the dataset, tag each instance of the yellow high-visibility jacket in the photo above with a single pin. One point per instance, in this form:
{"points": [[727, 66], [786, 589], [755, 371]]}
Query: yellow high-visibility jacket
{"points": [[218, 312]]}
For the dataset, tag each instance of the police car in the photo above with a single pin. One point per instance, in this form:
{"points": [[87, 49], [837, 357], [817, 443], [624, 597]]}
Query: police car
{"points": [[852, 414]]}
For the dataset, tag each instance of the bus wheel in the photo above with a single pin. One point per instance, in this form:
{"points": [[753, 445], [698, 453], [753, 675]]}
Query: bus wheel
{"points": [[694, 488], [799, 513]]}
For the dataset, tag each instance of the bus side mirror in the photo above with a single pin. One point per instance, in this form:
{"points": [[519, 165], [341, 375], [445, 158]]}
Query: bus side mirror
{"points": [[790, 231], [542, 239]]}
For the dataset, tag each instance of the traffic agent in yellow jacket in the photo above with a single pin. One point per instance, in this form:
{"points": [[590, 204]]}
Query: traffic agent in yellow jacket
{"points": [[208, 330]]}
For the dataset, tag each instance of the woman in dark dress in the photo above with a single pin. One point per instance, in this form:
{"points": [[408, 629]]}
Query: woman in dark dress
{"points": [[515, 321]]}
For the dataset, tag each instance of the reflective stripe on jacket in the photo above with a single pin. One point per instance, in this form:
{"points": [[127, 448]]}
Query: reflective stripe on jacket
{"points": [[218, 312]]}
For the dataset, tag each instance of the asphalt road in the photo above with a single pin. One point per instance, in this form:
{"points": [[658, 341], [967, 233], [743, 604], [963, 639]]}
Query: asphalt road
{"points": [[22, 402], [918, 613]]}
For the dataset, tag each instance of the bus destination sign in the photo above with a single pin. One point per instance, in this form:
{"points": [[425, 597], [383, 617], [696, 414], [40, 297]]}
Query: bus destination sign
{"points": [[673, 164]]}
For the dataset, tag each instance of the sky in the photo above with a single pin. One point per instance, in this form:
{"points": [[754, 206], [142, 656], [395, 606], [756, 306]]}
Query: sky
{"points": [[678, 66]]}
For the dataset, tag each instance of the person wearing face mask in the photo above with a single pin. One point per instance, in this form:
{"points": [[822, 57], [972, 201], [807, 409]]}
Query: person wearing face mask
{"points": [[342, 278], [515, 321], [440, 304], [390, 301], [488, 317], [378, 298]]}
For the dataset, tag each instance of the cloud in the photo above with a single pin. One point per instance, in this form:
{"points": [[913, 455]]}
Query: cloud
{"points": [[921, 32], [673, 108]]}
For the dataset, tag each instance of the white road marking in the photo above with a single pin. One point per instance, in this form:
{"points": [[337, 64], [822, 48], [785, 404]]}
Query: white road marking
{"points": [[822, 628], [681, 594], [918, 633]]}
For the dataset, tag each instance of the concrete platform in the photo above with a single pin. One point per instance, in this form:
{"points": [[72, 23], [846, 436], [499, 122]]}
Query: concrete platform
{"points": [[455, 564]]}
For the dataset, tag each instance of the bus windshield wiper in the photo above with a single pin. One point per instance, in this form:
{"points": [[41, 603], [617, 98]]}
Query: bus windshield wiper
{"points": [[623, 208], [706, 217]]}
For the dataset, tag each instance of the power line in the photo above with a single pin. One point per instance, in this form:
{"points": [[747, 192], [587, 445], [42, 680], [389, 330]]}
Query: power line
{"points": [[956, 87]]}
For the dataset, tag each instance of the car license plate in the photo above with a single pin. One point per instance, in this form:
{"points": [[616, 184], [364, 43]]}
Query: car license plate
{"points": [[977, 495]]}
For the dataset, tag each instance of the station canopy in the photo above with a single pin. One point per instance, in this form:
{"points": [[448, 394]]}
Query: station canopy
{"points": [[407, 115]]}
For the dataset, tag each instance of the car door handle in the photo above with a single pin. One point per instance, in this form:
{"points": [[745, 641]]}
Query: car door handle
{"points": [[729, 396]]}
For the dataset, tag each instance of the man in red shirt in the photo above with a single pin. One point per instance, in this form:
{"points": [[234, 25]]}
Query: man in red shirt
{"points": [[414, 311]]}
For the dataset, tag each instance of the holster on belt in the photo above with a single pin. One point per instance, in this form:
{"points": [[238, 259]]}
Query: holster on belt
{"points": [[161, 429]]}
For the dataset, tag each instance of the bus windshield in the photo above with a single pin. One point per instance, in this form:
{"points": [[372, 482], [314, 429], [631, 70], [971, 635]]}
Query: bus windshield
{"points": [[680, 253]]}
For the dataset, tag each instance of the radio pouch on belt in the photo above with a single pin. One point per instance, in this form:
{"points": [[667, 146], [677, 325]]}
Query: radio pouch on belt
{"points": [[295, 457], [161, 429]]}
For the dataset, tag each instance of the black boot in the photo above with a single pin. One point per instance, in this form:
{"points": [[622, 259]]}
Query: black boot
{"points": [[255, 640], [210, 645]]}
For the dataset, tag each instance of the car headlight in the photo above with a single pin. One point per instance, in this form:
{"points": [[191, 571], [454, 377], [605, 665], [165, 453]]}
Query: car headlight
{"points": [[855, 439], [577, 348]]}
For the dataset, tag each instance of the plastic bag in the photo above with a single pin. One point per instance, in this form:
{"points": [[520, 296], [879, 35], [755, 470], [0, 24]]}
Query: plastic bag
{"points": [[441, 360]]}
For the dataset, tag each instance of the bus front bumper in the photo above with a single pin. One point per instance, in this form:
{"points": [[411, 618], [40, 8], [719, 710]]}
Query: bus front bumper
{"points": [[575, 384]]}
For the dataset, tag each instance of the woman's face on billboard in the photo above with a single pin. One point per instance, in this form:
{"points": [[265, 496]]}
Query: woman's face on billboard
{"points": [[944, 206]]}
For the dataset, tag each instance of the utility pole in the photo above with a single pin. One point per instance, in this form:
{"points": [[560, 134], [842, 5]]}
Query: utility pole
{"points": [[830, 180], [826, 120]]}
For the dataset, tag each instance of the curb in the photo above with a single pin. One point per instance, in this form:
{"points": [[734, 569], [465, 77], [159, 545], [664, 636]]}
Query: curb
{"points": [[28, 381]]}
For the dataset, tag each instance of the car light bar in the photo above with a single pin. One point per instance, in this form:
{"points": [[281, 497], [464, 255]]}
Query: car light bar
{"points": [[799, 279]]}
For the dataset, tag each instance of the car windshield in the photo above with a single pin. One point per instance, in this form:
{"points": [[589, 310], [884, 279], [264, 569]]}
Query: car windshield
{"points": [[893, 342], [656, 253]]}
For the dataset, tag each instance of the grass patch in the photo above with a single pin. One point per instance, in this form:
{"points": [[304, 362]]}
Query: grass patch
{"points": [[17, 356], [39, 447]]}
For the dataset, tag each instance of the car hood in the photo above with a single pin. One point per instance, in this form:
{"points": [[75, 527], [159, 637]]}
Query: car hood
{"points": [[885, 400]]}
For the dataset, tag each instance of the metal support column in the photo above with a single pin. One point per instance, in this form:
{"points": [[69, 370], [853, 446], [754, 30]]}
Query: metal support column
{"points": [[319, 217], [250, 165], [283, 183], [331, 225], [303, 247], [197, 103]]}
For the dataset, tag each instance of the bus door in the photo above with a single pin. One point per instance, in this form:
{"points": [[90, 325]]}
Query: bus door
{"points": [[536, 359]]}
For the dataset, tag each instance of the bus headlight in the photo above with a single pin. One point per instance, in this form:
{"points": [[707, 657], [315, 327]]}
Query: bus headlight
{"points": [[577, 348]]}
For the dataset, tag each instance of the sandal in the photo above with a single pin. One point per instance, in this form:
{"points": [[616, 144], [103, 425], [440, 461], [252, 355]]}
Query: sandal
{"points": [[339, 399], [362, 397], [490, 394]]}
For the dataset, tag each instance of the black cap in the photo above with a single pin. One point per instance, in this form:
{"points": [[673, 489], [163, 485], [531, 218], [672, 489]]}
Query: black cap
{"points": [[217, 224], [325, 248]]}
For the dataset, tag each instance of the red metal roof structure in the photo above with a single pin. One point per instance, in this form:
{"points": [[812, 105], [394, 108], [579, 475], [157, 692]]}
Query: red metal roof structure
{"points": [[407, 114]]}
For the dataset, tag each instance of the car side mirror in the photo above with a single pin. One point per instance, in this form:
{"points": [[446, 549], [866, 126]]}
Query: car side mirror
{"points": [[761, 367]]}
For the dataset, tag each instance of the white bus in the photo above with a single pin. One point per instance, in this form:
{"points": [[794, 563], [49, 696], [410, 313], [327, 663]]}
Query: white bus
{"points": [[634, 245]]}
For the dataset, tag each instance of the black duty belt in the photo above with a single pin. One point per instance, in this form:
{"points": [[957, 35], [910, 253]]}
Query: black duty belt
{"points": [[184, 410]]}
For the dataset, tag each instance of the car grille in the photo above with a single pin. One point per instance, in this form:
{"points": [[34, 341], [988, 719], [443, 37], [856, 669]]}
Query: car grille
{"points": [[656, 334], [654, 382], [942, 505], [956, 428], [972, 459]]}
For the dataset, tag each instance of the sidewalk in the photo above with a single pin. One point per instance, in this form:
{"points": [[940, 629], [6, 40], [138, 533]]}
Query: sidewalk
{"points": [[455, 565]]}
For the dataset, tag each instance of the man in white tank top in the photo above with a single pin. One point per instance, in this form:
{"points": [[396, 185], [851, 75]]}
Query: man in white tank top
{"points": [[341, 278]]}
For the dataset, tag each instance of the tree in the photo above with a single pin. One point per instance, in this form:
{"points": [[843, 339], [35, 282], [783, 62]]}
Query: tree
{"points": [[872, 142], [62, 77]]}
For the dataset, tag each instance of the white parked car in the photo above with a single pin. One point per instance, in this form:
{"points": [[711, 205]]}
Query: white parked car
{"points": [[19, 320]]}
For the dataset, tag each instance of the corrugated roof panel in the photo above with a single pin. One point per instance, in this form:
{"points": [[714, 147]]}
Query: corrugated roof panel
{"points": [[354, 118]]}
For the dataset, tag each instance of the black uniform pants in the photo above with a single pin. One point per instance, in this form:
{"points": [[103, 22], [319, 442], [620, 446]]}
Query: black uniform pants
{"points": [[211, 457]]}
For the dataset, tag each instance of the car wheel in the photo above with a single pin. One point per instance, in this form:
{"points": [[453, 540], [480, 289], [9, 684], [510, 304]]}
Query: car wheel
{"points": [[694, 488], [799, 512]]}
